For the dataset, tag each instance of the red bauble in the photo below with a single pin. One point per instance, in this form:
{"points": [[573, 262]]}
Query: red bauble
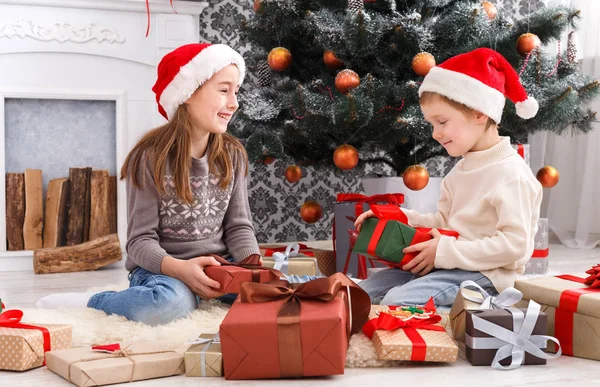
{"points": [[422, 63], [311, 211], [293, 173], [331, 61], [279, 59], [346, 80], [527, 43], [490, 9], [345, 157], [415, 177]]}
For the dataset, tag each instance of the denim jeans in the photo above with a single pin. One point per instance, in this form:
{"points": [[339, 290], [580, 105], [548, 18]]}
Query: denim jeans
{"points": [[156, 299], [399, 287]]}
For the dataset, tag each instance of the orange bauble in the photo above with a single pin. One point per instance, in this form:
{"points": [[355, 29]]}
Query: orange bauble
{"points": [[527, 43], [279, 59], [346, 80], [422, 63], [415, 177], [257, 5], [311, 211], [490, 9], [293, 173], [332, 61], [345, 157], [548, 176]]}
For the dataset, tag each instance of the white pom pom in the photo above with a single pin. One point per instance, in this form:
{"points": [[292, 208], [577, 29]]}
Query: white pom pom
{"points": [[527, 109]]}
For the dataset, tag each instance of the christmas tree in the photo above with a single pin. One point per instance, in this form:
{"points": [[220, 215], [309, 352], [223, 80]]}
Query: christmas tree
{"points": [[340, 75]]}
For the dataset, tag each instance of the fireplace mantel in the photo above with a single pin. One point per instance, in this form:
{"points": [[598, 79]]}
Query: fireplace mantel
{"points": [[88, 49]]}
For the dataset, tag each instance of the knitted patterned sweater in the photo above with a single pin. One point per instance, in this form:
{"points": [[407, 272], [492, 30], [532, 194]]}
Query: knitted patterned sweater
{"points": [[219, 221]]}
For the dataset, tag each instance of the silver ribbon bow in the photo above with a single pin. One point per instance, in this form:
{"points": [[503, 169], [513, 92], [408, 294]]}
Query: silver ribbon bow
{"points": [[279, 258], [507, 298], [200, 340], [513, 343]]}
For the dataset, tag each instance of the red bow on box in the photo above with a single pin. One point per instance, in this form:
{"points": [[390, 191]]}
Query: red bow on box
{"points": [[12, 319], [593, 281]]}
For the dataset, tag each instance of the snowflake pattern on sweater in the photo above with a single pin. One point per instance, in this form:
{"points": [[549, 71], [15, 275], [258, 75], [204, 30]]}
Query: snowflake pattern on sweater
{"points": [[200, 220]]}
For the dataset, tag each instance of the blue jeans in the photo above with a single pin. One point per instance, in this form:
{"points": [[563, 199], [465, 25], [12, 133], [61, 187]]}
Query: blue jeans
{"points": [[156, 299], [399, 287]]}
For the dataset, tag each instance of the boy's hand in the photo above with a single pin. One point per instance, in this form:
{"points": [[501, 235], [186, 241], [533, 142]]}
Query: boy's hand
{"points": [[359, 221], [424, 262]]}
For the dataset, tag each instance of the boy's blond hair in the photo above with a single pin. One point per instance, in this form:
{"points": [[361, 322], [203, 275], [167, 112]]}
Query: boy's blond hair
{"points": [[429, 96]]}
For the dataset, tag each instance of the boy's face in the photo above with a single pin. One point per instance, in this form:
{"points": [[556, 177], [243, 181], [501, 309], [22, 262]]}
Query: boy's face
{"points": [[457, 132], [213, 104]]}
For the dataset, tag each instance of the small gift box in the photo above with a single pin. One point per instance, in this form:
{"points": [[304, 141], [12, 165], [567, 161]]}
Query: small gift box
{"points": [[23, 346], [276, 332], [538, 263], [385, 236], [572, 304], [474, 300], [347, 208], [289, 262], [110, 364], [204, 357], [507, 338], [409, 333], [232, 275]]}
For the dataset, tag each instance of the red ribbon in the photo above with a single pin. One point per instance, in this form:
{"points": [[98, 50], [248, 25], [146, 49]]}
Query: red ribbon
{"points": [[148, 14], [12, 319], [304, 249], [360, 200], [540, 253], [388, 322], [109, 348], [567, 307], [390, 212], [521, 150]]}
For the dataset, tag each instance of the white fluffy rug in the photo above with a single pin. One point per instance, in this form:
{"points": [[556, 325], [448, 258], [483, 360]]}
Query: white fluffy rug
{"points": [[91, 326]]}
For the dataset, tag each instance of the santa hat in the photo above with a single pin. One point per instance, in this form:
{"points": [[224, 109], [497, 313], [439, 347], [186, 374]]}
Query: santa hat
{"points": [[186, 68], [480, 79]]}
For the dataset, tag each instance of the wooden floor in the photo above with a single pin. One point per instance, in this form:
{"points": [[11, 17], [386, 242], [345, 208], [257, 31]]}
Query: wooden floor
{"points": [[22, 289]]}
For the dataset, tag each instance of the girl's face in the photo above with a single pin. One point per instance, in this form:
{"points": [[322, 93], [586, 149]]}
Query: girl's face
{"points": [[212, 104]]}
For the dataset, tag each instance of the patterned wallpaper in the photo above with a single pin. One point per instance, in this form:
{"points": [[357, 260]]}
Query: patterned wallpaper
{"points": [[274, 202]]}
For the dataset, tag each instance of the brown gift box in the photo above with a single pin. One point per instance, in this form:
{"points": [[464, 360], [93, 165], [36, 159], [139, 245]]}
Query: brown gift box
{"points": [[264, 337], [503, 318], [138, 361], [204, 359], [231, 275], [584, 340], [23, 349], [395, 345]]}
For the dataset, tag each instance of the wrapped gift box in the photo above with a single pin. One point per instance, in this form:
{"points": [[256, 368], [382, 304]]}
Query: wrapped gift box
{"points": [[406, 343], [573, 310], [538, 263], [347, 208], [231, 276], [276, 332], [288, 260], [138, 361], [22, 349], [326, 263], [204, 358]]}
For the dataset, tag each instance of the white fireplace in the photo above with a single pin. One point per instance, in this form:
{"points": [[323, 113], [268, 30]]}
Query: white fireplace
{"points": [[88, 50]]}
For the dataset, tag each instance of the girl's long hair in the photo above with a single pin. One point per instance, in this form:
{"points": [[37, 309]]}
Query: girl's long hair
{"points": [[171, 143]]}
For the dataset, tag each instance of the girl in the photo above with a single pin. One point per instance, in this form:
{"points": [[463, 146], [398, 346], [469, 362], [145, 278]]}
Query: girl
{"points": [[186, 192]]}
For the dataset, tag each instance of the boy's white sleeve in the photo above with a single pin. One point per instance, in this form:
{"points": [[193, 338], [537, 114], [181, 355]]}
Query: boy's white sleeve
{"points": [[517, 204], [433, 220]]}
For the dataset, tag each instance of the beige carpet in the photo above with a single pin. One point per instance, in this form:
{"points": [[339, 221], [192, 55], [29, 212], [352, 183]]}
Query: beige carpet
{"points": [[91, 326]]}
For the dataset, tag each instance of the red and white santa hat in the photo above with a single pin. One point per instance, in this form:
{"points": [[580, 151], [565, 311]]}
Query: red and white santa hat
{"points": [[480, 79], [186, 68]]}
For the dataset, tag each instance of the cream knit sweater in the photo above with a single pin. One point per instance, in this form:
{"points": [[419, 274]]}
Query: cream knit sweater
{"points": [[492, 199]]}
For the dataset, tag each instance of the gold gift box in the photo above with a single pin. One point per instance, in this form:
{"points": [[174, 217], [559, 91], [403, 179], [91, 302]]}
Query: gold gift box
{"points": [[204, 359]]}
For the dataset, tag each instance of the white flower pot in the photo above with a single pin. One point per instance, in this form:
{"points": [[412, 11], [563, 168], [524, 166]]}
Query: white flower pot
{"points": [[424, 201]]}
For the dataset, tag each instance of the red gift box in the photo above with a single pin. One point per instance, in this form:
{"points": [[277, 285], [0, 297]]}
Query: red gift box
{"points": [[232, 275]]}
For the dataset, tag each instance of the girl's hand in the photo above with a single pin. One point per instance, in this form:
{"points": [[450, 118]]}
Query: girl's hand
{"points": [[191, 272]]}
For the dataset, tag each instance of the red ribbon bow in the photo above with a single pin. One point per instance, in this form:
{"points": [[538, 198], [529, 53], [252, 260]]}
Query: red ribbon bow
{"points": [[304, 249], [12, 319], [593, 281], [395, 198], [108, 348], [388, 322]]}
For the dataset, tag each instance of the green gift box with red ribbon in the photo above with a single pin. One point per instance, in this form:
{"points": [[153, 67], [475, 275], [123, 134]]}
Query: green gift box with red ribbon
{"points": [[388, 233]]}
